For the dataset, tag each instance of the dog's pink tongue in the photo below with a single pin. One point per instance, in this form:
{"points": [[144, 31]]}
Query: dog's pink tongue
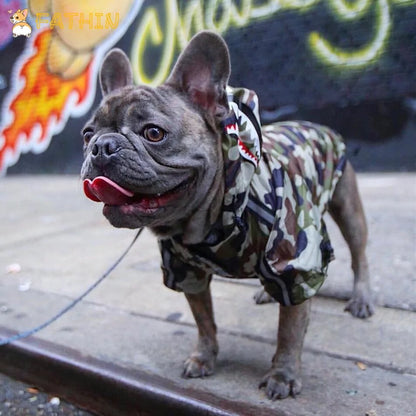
{"points": [[102, 189]]}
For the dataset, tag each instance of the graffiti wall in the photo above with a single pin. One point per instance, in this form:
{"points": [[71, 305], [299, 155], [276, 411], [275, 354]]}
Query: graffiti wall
{"points": [[347, 63]]}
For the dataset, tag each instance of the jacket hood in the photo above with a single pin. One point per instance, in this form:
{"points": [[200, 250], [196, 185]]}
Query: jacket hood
{"points": [[241, 150]]}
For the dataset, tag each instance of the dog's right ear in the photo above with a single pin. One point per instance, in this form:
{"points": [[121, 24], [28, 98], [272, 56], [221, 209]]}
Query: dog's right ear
{"points": [[202, 72], [115, 71]]}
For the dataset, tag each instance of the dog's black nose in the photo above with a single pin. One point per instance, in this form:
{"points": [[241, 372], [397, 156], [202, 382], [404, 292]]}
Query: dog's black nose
{"points": [[104, 150]]}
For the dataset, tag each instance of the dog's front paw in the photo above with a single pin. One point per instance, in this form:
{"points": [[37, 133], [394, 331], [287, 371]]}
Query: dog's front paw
{"points": [[360, 306], [199, 365], [280, 383], [261, 297]]}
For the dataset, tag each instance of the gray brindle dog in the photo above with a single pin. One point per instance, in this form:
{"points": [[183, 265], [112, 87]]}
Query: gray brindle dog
{"points": [[189, 160]]}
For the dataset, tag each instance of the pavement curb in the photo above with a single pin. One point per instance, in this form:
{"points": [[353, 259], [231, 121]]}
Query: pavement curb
{"points": [[107, 389]]}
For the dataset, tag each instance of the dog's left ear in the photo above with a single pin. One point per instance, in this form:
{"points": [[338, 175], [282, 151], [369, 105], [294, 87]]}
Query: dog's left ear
{"points": [[115, 71], [24, 13], [202, 72]]}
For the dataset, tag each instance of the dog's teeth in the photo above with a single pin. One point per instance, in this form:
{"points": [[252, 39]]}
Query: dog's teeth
{"points": [[153, 204]]}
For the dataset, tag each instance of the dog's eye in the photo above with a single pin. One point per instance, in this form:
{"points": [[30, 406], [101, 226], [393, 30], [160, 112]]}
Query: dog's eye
{"points": [[154, 133], [88, 133]]}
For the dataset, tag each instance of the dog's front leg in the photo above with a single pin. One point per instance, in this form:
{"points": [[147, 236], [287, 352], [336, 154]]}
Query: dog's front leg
{"points": [[284, 377], [201, 362]]}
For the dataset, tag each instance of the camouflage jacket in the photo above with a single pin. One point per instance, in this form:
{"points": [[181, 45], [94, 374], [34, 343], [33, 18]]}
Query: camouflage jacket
{"points": [[278, 182]]}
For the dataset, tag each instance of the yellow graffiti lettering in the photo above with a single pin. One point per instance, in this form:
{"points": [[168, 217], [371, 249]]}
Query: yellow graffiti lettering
{"points": [[183, 20], [274, 6], [197, 15], [150, 31], [347, 10], [223, 21], [332, 55], [404, 2], [241, 15], [262, 10], [192, 21]]}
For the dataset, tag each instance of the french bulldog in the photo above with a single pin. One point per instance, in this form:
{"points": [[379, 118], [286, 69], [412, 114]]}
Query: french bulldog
{"points": [[189, 160]]}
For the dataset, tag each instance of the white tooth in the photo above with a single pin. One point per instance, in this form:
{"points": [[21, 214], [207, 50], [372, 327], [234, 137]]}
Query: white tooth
{"points": [[153, 204]]}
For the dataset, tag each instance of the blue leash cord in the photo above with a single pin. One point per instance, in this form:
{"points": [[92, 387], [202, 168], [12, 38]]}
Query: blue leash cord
{"points": [[32, 331]]}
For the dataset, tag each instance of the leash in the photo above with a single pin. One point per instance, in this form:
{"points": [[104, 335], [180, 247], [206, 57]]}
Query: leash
{"points": [[36, 329]]}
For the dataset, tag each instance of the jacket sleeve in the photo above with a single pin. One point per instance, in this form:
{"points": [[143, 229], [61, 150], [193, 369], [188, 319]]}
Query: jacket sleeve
{"points": [[178, 274]]}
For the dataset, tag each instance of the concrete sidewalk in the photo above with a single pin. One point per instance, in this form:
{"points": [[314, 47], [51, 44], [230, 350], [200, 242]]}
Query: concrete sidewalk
{"points": [[62, 244]]}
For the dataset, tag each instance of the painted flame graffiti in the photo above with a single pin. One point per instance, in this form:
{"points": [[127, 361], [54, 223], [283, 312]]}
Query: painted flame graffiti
{"points": [[41, 108]]}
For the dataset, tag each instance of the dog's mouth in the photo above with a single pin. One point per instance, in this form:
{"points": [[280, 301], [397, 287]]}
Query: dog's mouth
{"points": [[103, 189]]}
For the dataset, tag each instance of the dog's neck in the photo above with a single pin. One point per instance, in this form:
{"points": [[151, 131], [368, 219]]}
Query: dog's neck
{"points": [[194, 229], [199, 224]]}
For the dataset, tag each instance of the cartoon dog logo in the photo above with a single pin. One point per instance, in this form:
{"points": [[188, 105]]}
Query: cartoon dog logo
{"points": [[20, 26]]}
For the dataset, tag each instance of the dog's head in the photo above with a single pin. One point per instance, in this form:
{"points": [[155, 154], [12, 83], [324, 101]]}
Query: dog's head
{"points": [[153, 155], [19, 16]]}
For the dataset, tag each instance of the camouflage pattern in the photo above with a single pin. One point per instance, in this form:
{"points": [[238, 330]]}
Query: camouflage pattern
{"points": [[278, 182]]}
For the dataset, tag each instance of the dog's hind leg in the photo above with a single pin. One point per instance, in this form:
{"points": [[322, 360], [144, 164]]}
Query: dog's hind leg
{"points": [[347, 211], [201, 362]]}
